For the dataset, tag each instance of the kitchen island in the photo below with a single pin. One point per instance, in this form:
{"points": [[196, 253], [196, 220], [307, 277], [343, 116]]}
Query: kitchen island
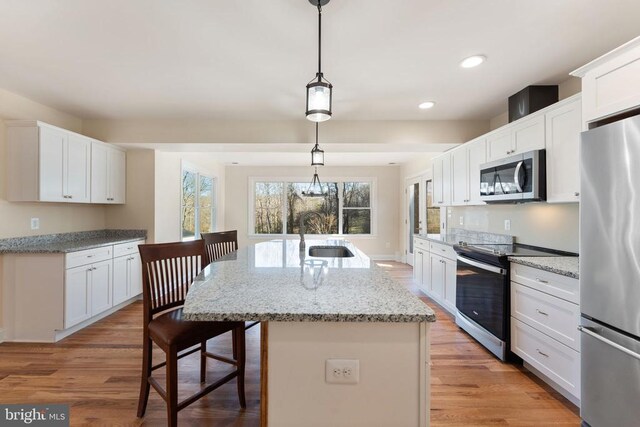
{"points": [[319, 309]]}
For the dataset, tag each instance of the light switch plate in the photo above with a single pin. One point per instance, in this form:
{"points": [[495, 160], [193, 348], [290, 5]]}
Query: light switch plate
{"points": [[507, 224], [35, 223], [342, 371]]}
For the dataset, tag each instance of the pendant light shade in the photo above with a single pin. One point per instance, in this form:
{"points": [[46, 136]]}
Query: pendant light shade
{"points": [[319, 89], [317, 155]]}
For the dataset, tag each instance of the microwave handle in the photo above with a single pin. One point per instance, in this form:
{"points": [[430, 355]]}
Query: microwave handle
{"points": [[516, 175]]}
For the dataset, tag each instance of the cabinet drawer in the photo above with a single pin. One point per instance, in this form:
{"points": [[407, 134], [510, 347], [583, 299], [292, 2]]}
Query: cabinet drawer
{"points": [[127, 248], [75, 259], [421, 243], [557, 361], [553, 316], [563, 287], [442, 250]]}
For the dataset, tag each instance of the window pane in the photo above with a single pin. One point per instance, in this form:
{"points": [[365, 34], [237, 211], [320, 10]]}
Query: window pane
{"points": [[321, 213], [433, 214], [268, 207], [356, 195], [206, 204], [188, 204], [356, 221]]}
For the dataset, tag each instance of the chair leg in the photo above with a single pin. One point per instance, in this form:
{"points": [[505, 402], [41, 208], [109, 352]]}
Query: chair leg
{"points": [[234, 344], [203, 361], [240, 357], [172, 387], [147, 352]]}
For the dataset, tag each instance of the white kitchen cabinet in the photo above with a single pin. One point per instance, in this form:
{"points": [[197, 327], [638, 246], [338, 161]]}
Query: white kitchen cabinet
{"points": [[450, 269], [77, 295], [460, 176], [108, 169], [49, 164], [127, 277], [436, 265], [611, 83], [442, 180], [563, 127], [518, 137], [477, 155], [101, 282]]}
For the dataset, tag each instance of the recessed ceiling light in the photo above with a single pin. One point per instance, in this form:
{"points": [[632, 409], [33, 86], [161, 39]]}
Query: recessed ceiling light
{"points": [[426, 105], [473, 61]]}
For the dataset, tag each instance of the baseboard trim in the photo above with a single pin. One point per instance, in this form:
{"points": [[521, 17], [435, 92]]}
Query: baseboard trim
{"points": [[389, 257]]}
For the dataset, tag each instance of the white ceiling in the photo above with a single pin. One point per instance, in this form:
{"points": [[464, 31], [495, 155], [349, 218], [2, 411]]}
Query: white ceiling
{"points": [[250, 59]]}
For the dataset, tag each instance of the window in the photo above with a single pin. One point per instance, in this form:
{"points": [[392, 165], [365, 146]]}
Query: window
{"points": [[197, 205], [346, 208]]}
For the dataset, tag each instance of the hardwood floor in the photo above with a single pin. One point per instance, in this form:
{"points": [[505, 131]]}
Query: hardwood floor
{"points": [[97, 372]]}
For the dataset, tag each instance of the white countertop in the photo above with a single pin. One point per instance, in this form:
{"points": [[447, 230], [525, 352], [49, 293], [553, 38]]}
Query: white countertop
{"points": [[271, 281]]}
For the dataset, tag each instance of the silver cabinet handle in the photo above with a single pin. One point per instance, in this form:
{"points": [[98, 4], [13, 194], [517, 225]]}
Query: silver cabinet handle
{"points": [[617, 346], [89, 256], [542, 312], [443, 250], [540, 280], [576, 194], [541, 353]]}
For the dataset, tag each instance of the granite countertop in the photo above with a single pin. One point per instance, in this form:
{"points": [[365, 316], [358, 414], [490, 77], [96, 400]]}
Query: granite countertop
{"points": [[563, 265], [271, 281], [68, 242]]}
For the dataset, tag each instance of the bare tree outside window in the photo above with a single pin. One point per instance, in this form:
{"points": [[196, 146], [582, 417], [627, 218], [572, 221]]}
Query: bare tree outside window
{"points": [[197, 204], [356, 208], [188, 204], [321, 212], [268, 207]]}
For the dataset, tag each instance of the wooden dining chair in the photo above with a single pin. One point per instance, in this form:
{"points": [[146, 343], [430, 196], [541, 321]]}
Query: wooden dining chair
{"points": [[167, 271], [219, 244]]}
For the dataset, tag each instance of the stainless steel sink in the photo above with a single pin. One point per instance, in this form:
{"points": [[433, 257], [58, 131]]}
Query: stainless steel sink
{"points": [[330, 252]]}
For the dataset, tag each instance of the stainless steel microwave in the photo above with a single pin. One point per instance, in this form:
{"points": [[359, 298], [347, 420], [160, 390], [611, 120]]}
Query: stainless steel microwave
{"points": [[520, 178]]}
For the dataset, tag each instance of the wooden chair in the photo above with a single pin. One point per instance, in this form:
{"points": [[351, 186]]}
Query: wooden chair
{"points": [[167, 271], [219, 244]]}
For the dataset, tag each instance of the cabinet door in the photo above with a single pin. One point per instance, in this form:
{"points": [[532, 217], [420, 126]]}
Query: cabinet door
{"points": [[446, 179], [135, 275], [437, 275], [499, 145], [528, 135], [438, 199], [52, 148], [117, 176], [78, 169], [101, 297], [459, 177], [563, 162], [418, 267], [121, 282], [426, 272], [77, 295], [450, 283], [99, 172], [477, 155]]}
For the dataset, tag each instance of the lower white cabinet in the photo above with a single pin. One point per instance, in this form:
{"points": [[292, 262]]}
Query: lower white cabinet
{"points": [[127, 277], [435, 272], [544, 325], [87, 292]]}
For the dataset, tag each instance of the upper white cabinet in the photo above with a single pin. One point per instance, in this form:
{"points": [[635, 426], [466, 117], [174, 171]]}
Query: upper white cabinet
{"points": [[108, 171], [523, 135], [465, 168], [611, 83], [49, 164], [563, 156], [442, 180]]}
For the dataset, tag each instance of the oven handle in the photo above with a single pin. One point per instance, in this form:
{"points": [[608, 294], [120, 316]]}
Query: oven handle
{"points": [[483, 265]]}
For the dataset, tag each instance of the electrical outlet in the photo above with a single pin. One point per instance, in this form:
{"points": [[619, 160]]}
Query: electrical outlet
{"points": [[461, 220], [507, 224], [35, 223], [342, 371]]}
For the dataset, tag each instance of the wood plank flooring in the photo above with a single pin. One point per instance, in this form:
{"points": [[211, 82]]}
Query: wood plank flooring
{"points": [[97, 372]]}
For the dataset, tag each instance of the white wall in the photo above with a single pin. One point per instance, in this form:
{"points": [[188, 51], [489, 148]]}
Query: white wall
{"points": [[386, 242]]}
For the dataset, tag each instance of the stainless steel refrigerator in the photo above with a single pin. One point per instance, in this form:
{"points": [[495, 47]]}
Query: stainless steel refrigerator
{"points": [[610, 274]]}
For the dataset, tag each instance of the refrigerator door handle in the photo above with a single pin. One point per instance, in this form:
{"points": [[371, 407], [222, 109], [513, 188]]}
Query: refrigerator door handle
{"points": [[617, 346]]}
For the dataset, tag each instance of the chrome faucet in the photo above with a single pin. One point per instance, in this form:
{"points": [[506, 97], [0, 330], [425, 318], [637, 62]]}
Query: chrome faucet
{"points": [[301, 230]]}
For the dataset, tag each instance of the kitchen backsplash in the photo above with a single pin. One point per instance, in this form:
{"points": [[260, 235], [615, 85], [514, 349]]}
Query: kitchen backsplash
{"points": [[552, 226]]}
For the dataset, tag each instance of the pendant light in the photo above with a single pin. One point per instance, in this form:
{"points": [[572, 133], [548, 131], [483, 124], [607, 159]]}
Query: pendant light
{"points": [[319, 89], [317, 155], [315, 187]]}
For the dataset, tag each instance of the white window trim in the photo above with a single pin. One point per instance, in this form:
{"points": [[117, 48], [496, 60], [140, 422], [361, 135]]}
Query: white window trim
{"points": [[190, 167], [373, 181]]}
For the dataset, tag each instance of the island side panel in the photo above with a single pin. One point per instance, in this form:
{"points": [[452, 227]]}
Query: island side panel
{"points": [[394, 373]]}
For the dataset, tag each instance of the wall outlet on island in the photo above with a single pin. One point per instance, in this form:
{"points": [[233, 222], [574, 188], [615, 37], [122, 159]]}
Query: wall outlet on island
{"points": [[507, 224], [35, 223], [342, 371]]}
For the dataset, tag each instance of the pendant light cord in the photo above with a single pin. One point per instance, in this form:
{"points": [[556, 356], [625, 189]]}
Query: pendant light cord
{"points": [[319, 41], [316, 135]]}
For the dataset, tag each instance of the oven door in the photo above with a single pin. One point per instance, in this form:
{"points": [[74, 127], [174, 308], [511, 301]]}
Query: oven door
{"points": [[481, 295]]}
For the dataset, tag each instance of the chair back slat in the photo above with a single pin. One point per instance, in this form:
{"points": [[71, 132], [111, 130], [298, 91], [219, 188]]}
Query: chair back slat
{"points": [[168, 269], [219, 244]]}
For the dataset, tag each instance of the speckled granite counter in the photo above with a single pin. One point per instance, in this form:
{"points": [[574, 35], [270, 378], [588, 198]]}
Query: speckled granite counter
{"points": [[68, 242], [270, 281], [564, 265], [457, 235]]}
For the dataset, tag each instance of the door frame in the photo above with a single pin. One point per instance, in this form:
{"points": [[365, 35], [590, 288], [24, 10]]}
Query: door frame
{"points": [[419, 178]]}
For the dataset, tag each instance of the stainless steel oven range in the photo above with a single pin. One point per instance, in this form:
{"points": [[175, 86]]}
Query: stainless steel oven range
{"points": [[482, 291]]}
